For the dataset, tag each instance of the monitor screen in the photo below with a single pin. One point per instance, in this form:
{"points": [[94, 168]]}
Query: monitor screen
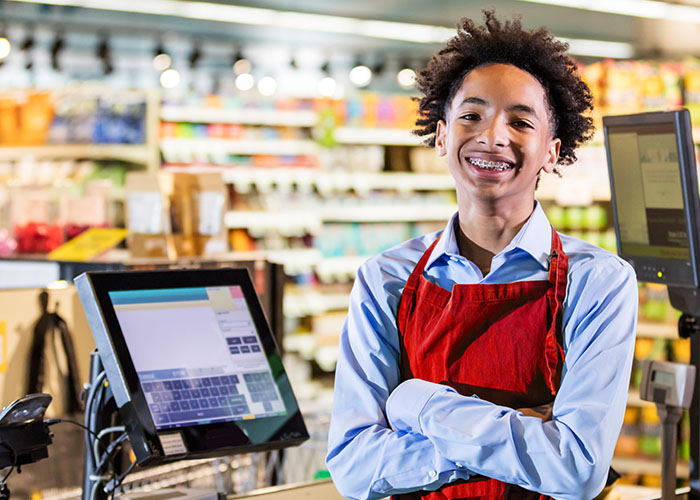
{"points": [[648, 185], [652, 172], [197, 354], [191, 362]]}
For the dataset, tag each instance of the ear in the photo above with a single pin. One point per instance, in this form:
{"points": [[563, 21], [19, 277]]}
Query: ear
{"points": [[440, 138], [552, 155]]}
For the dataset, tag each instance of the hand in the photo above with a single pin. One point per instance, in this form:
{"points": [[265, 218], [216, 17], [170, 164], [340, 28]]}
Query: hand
{"points": [[544, 412]]}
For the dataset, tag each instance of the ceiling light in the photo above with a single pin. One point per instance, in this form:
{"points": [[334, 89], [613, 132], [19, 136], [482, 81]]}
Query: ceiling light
{"points": [[326, 86], [5, 47], [599, 48], [360, 75], [170, 78], [161, 62], [417, 33], [406, 77], [245, 81], [637, 8], [267, 86], [242, 66]]}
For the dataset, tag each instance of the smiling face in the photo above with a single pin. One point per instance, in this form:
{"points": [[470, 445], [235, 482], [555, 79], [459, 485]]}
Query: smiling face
{"points": [[497, 137]]}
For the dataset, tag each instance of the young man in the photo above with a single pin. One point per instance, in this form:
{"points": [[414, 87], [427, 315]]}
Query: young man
{"points": [[492, 359]]}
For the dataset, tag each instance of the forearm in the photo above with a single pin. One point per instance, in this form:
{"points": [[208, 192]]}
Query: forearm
{"points": [[549, 457], [378, 462]]}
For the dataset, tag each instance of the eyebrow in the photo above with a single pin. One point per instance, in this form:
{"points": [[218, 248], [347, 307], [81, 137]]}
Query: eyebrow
{"points": [[515, 107]]}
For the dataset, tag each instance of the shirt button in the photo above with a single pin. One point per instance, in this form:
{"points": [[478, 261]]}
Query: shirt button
{"points": [[460, 465], [454, 259], [432, 473]]}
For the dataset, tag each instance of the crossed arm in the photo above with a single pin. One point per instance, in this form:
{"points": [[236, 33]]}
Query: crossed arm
{"points": [[389, 438]]}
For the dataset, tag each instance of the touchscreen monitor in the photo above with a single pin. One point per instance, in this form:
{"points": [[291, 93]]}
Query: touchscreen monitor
{"points": [[192, 362], [651, 160]]}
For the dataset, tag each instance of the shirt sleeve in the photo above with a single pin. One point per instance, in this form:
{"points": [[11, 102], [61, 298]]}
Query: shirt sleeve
{"points": [[569, 456], [366, 458]]}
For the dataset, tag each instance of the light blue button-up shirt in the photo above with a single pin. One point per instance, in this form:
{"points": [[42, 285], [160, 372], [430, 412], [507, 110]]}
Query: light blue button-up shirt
{"points": [[387, 438]]}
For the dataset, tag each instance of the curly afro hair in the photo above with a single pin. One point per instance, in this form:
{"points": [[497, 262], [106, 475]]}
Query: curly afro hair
{"points": [[534, 51]]}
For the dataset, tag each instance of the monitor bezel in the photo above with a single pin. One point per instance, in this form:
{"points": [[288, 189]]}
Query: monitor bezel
{"points": [[674, 272], [133, 406]]}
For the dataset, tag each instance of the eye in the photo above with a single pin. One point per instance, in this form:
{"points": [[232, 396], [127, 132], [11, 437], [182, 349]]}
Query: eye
{"points": [[521, 124], [470, 116]]}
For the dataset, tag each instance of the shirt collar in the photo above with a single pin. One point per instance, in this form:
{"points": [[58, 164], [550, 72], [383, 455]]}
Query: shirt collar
{"points": [[535, 238]]}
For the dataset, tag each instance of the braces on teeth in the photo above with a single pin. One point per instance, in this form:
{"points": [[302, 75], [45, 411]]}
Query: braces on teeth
{"points": [[489, 165]]}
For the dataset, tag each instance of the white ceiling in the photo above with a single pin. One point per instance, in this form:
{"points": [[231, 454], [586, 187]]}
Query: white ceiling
{"points": [[653, 38]]}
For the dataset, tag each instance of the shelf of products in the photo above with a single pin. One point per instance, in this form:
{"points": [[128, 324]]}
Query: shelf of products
{"points": [[383, 136], [269, 117], [266, 179], [193, 149], [64, 155], [130, 153]]}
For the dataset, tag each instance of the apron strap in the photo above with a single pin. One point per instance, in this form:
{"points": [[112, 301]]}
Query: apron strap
{"points": [[407, 302], [412, 282], [554, 351]]}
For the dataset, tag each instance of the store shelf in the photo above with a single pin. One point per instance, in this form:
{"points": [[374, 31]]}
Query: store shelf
{"points": [[625, 465], [270, 117], [285, 177], [291, 222], [339, 268], [208, 147], [415, 212], [647, 329], [297, 305], [132, 153], [380, 136], [295, 260]]}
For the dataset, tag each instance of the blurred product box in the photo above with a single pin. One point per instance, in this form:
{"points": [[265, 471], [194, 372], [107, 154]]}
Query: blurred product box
{"points": [[147, 216]]}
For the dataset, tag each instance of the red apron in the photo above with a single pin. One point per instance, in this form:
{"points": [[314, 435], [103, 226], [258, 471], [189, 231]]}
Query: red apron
{"points": [[501, 342]]}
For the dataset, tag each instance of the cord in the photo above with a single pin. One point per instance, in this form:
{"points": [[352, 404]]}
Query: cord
{"points": [[53, 421], [116, 482], [107, 430], [97, 385], [109, 451]]}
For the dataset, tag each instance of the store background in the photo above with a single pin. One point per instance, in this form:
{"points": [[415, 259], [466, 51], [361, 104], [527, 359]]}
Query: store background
{"points": [[285, 158]]}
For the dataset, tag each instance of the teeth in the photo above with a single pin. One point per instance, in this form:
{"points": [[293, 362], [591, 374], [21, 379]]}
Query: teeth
{"points": [[496, 166]]}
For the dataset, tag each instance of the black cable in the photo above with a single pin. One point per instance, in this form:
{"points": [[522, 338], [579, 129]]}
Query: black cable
{"points": [[14, 461], [116, 482], [107, 455], [110, 450], [52, 421]]}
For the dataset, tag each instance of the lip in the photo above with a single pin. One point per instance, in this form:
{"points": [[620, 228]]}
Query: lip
{"points": [[489, 157]]}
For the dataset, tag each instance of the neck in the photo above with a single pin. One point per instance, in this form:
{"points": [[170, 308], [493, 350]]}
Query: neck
{"points": [[485, 230]]}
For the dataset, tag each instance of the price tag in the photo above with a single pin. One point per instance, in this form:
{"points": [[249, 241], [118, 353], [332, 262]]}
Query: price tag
{"points": [[88, 244]]}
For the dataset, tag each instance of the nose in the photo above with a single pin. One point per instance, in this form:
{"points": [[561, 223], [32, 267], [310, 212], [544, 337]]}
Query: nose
{"points": [[494, 133]]}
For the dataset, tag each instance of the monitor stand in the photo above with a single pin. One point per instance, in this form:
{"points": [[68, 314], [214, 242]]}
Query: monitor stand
{"points": [[687, 300]]}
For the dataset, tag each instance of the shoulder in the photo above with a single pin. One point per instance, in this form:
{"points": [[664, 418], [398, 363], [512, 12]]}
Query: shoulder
{"points": [[595, 271], [585, 258]]}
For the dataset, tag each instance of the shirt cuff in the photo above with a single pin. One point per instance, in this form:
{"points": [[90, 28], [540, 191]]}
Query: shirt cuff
{"points": [[406, 402]]}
